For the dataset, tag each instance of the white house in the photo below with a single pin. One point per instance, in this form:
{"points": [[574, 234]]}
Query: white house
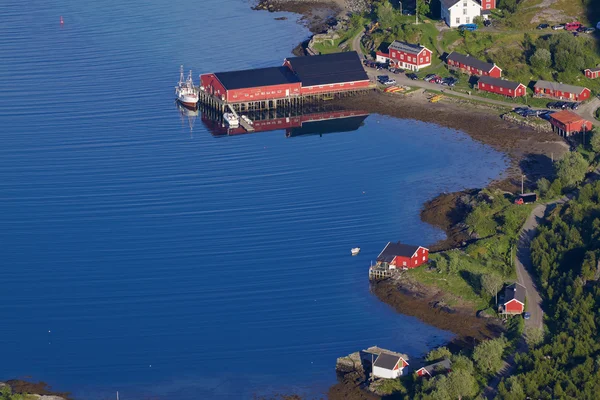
{"points": [[459, 12], [388, 366]]}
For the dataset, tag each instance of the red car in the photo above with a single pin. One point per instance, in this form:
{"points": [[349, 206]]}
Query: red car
{"points": [[573, 26]]}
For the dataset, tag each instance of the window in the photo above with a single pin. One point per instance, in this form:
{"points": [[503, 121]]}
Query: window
{"points": [[464, 11], [423, 258], [464, 4], [458, 20], [468, 20], [421, 59], [404, 263], [415, 262], [491, 87]]}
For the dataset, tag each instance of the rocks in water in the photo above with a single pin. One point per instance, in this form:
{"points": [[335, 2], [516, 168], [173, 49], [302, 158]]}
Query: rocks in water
{"points": [[280, 18]]}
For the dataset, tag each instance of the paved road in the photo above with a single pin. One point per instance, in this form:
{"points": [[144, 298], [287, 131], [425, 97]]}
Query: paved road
{"points": [[588, 110], [356, 44]]}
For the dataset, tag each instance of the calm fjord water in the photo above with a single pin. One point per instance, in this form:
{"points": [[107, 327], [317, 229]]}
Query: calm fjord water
{"points": [[141, 258]]}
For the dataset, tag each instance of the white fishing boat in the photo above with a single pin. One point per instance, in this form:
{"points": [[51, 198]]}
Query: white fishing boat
{"points": [[231, 119], [355, 251], [186, 93]]}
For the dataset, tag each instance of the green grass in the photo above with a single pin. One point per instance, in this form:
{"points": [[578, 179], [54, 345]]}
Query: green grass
{"points": [[345, 36]]}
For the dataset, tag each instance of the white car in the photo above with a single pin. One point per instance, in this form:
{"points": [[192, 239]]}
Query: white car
{"points": [[390, 82]]}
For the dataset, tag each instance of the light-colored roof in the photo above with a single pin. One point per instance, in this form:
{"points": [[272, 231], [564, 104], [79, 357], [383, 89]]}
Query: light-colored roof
{"points": [[559, 86], [406, 47], [566, 117]]}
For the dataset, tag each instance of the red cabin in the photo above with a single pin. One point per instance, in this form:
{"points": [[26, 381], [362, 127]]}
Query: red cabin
{"points": [[440, 367], [500, 86], [409, 56], [472, 66], [514, 299], [403, 256], [561, 91], [488, 4], [592, 73]]}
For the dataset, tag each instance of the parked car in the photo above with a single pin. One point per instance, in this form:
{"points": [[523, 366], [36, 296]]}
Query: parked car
{"points": [[392, 70], [398, 70], [408, 12], [468, 27], [526, 315], [390, 82], [449, 81], [574, 106], [383, 78], [412, 76], [430, 77], [589, 30], [543, 26], [487, 22], [573, 26], [531, 113], [558, 27], [546, 114]]}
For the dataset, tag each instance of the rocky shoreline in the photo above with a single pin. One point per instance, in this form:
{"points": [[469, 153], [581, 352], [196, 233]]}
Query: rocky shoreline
{"points": [[38, 391]]}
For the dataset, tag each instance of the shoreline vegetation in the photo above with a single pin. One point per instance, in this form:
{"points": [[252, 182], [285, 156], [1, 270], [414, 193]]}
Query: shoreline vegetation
{"points": [[458, 290]]}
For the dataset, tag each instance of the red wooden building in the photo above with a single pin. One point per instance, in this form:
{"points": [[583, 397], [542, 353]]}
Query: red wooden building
{"points": [[409, 56], [514, 299], [500, 86], [592, 73], [561, 91], [252, 85], [336, 72], [567, 123], [402, 256], [472, 66], [440, 367], [487, 5]]}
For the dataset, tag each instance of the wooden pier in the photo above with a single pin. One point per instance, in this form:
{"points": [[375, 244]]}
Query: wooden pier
{"points": [[290, 102], [376, 273]]}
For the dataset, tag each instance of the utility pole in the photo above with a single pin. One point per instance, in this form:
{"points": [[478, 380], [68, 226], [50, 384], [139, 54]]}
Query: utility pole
{"points": [[552, 157], [522, 183], [400, 7]]}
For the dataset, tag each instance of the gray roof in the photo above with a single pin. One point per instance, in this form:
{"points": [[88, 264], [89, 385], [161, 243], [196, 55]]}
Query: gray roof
{"points": [[256, 77], [499, 82], [406, 47], [515, 291], [386, 361], [448, 3], [597, 69], [445, 364], [559, 86], [392, 250], [471, 61], [328, 68]]}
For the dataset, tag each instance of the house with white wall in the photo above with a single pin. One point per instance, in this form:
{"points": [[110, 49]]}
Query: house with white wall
{"points": [[459, 12]]}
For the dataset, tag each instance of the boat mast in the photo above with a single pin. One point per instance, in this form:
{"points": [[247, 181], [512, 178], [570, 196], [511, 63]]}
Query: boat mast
{"points": [[181, 75]]}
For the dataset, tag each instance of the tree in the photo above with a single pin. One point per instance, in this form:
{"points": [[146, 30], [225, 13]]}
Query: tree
{"points": [[595, 142], [508, 5], [533, 335], [488, 355], [422, 8], [571, 169], [385, 14], [492, 283], [438, 354], [541, 59], [455, 385], [543, 186]]}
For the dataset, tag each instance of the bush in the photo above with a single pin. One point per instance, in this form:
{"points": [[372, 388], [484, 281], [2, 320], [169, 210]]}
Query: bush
{"points": [[543, 187], [571, 169]]}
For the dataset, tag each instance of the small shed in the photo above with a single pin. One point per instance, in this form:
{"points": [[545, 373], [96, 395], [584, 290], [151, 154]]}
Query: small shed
{"points": [[439, 367], [514, 299], [388, 366], [592, 73], [567, 123]]}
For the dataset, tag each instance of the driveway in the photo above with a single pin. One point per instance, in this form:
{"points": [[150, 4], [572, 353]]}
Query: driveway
{"points": [[588, 110]]}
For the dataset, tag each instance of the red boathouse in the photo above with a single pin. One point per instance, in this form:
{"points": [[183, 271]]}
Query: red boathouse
{"points": [[472, 66], [592, 73], [567, 123], [402, 256], [561, 91], [500, 86], [252, 84], [514, 299]]}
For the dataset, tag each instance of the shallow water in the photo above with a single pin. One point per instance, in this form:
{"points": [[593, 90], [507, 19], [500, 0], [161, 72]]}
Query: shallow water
{"points": [[141, 257]]}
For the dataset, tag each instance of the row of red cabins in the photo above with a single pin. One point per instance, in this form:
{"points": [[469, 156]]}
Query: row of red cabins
{"points": [[490, 80], [298, 76]]}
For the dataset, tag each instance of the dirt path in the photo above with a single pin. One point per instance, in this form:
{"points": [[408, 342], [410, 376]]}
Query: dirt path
{"points": [[355, 45]]}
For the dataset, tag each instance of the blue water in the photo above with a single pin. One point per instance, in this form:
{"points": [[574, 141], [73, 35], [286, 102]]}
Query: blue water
{"points": [[141, 257]]}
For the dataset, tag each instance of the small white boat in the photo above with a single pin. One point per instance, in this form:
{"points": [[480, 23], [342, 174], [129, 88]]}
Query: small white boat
{"points": [[231, 119], [248, 120], [355, 251]]}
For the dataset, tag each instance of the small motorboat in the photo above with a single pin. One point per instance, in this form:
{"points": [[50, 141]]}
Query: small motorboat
{"points": [[231, 119], [355, 251]]}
